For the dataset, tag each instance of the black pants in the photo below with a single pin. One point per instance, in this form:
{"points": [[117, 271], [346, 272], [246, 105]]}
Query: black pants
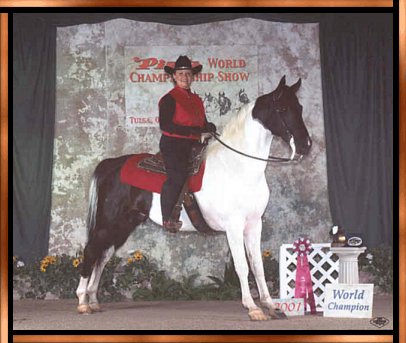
{"points": [[176, 154]]}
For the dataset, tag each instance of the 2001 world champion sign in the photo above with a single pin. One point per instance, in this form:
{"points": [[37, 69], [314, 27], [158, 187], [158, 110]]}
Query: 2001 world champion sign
{"points": [[348, 300], [229, 79]]}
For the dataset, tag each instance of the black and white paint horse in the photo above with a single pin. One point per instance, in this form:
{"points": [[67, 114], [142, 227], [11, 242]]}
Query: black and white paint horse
{"points": [[232, 199]]}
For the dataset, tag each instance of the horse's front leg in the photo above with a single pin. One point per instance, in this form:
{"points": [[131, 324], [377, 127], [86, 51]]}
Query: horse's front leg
{"points": [[235, 239], [252, 240]]}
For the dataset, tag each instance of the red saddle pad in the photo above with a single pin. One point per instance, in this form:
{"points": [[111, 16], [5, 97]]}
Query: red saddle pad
{"points": [[135, 176]]}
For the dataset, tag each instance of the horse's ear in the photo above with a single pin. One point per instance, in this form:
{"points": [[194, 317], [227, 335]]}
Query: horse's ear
{"points": [[279, 90], [296, 86], [282, 82]]}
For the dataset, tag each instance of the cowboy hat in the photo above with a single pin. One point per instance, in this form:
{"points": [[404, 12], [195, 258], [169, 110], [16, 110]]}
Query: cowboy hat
{"points": [[183, 62]]}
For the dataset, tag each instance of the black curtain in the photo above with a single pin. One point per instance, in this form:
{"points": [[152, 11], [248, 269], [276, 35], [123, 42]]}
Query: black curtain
{"points": [[357, 74], [356, 62], [33, 134]]}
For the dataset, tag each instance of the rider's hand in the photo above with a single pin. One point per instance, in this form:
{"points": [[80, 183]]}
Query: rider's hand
{"points": [[205, 136], [210, 127]]}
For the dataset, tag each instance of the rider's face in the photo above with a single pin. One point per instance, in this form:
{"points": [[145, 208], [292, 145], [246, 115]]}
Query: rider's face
{"points": [[183, 78]]}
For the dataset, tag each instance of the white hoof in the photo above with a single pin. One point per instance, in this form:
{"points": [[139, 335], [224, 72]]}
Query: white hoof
{"points": [[95, 307], [84, 309], [257, 314]]}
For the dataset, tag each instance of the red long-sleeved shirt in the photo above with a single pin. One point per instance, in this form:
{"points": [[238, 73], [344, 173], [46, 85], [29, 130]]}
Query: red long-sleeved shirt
{"points": [[181, 114]]}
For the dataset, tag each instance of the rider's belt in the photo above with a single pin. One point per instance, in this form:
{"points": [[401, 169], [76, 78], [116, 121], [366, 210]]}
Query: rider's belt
{"points": [[194, 137]]}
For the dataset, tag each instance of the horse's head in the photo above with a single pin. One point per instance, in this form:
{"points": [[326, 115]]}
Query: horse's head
{"points": [[243, 97], [281, 113]]}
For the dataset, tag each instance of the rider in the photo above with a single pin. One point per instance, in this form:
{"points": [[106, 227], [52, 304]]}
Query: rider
{"points": [[183, 124]]}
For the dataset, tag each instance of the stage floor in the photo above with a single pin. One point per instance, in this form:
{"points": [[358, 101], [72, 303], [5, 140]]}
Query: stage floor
{"points": [[177, 315]]}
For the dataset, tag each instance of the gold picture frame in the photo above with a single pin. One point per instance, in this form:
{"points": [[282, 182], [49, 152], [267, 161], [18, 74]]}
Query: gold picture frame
{"points": [[210, 338]]}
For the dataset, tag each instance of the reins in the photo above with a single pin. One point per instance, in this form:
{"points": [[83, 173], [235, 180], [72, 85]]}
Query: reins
{"points": [[269, 159]]}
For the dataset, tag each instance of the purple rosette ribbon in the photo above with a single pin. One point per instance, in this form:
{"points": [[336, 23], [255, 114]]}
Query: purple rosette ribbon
{"points": [[304, 285]]}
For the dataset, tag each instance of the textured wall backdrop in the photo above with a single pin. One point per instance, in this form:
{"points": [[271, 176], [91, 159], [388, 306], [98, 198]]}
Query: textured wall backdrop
{"points": [[91, 126]]}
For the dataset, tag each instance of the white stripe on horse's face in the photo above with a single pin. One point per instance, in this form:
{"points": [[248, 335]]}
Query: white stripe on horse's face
{"points": [[293, 147]]}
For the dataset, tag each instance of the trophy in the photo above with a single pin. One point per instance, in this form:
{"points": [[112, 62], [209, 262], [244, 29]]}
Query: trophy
{"points": [[341, 239]]}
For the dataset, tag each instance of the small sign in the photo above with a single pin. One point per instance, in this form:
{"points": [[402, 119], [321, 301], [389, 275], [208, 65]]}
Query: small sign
{"points": [[291, 307], [348, 300]]}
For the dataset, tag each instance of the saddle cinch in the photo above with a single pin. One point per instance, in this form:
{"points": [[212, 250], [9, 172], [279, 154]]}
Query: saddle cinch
{"points": [[186, 198]]}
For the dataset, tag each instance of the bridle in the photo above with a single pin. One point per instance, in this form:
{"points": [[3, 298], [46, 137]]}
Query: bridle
{"points": [[294, 157], [269, 159]]}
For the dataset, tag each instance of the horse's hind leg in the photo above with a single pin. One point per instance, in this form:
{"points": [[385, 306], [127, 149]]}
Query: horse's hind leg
{"points": [[252, 240], [93, 253], [83, 306], [87, 289], [104, 240], [94, 281]]}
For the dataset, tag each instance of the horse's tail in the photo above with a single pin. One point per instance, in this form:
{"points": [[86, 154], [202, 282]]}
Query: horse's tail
{"points": [[93, 198], [105, 171], [99, 235]]}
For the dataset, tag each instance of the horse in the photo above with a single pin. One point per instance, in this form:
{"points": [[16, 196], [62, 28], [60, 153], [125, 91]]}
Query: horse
{"points": [[224, 103], [232, 198], [243, 97], [210, 103]]}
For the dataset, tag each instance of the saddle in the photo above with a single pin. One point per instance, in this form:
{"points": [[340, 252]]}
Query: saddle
{"points": [[156, 164], [186, 198]]}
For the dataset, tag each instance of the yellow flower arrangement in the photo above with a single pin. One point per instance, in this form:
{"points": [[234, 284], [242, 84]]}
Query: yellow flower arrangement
{"points": [[138, 255], [266, 253], [76, 261], [49, 259], [46, 261]]}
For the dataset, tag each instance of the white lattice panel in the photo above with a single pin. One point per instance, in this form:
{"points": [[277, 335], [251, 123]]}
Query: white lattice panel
{"points": [[323, 270]]}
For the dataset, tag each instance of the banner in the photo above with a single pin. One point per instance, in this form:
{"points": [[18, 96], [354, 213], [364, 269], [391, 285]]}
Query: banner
{"points": [[227, 81]]}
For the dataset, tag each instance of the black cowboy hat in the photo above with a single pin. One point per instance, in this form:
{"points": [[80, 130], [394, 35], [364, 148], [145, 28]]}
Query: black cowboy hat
{"points": [[183, 62]]}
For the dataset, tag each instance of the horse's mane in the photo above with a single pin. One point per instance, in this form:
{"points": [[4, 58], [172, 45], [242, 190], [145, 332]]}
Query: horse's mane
{"points": [[232, 129]]}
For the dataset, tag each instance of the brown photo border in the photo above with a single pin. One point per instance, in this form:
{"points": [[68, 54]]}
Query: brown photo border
{"points": [[4, 34]]}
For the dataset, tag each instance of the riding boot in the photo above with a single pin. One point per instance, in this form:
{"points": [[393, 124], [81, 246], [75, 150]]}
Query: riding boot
{"points": [[170, 217], [173, 224]]}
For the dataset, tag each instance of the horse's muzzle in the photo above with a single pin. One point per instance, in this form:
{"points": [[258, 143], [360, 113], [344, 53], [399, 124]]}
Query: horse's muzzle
{"points": [[305, 148]]}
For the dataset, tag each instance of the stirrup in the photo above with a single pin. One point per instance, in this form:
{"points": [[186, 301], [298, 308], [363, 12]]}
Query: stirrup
{"points": [[172, 226]]}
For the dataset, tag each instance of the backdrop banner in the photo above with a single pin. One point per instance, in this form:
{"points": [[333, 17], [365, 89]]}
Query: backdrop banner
{"points": [[229, 79]]}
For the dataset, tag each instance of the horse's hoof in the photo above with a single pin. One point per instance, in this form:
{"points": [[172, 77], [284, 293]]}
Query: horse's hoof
{"points": [[257, 314], [84, 309], [277, 313], [95, 307]]}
